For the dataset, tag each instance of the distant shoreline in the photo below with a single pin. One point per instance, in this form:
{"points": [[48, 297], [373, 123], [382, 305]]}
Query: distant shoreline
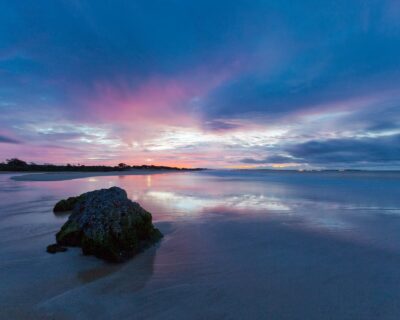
{"points": [[63, 176], [72, 175]]}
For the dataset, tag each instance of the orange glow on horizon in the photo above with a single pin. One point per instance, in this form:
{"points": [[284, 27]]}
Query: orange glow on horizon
{"points": [[284, 165]]}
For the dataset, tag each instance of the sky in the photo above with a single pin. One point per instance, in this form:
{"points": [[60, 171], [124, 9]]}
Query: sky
{"points": [[201, 83]]}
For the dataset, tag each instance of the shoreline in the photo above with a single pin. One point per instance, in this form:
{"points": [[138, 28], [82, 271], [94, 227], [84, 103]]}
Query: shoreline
{"points": [[63, 176]]}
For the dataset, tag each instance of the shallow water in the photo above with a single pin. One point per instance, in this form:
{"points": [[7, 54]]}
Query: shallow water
{"points": [[238, 245]]}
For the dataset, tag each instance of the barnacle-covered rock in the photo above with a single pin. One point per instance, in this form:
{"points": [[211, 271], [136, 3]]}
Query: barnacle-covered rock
{"points": [[106, 224]]}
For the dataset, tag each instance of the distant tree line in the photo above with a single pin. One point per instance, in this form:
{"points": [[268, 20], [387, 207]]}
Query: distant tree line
{"points": [[15, 164]]}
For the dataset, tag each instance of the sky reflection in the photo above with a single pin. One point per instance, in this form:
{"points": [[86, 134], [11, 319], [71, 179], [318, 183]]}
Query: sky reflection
{"points": [[337, 202]]}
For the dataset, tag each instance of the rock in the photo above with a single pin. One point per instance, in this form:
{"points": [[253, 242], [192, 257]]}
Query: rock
{"points": [[54, 248], [106, 224], [66, 204]]}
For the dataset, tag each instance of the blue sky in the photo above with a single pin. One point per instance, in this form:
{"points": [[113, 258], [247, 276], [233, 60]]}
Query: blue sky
{"points": [[275, 84]]}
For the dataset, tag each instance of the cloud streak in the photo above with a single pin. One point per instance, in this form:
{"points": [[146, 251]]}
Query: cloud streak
{"points": [[4, 139]]}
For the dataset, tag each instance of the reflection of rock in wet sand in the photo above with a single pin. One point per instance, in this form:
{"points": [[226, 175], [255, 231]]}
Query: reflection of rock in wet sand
{"points": [[99, 272], [127, 277], [133, 276]]}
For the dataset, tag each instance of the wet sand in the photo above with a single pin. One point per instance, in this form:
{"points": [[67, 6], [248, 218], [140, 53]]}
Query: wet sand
{"points": [[233, 249], [216, 270]]}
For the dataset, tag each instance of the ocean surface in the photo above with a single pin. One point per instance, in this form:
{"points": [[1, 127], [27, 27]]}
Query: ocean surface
{"points": [[237, 245]]}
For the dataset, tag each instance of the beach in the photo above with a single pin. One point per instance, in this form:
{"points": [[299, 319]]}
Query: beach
{"points": [[237, 245], [61, 176]]}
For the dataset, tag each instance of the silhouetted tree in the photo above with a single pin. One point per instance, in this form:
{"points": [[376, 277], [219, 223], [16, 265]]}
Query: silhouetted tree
{"points": [[122, 166], [14, 162]]}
